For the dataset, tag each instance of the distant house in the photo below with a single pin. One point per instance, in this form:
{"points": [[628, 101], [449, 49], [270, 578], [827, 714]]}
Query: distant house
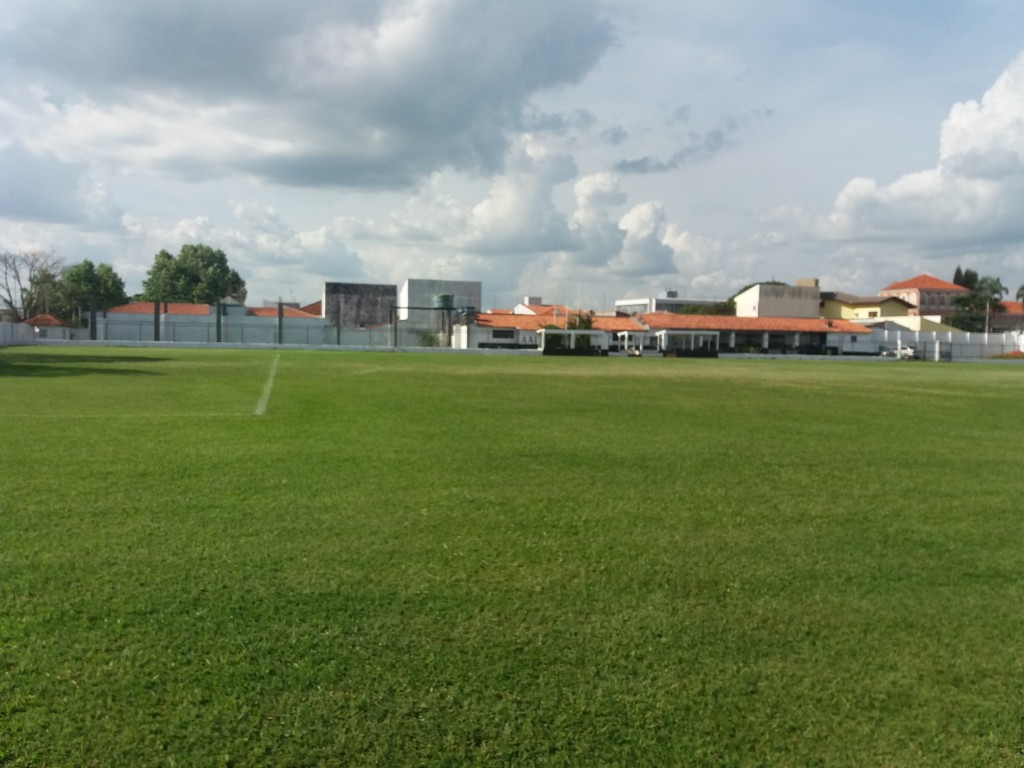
{"points": [[48, 327], [929, 295], [845, 306], [1010, 319], [499, 330], [44, 321], [555, 314]]}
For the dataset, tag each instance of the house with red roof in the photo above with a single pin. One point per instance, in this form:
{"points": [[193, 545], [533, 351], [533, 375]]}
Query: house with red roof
{"points": [[838, 305], [928, 294], [1009, 318], [47, 326]]}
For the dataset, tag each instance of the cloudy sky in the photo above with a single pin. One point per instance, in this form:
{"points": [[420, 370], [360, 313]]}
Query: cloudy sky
{"points": [[577, 150]]}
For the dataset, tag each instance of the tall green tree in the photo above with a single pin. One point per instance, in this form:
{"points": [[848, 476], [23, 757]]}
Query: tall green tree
{"points": [[198, 274], [1020, 293], [85, 284], [976, 307], [968, 278]]}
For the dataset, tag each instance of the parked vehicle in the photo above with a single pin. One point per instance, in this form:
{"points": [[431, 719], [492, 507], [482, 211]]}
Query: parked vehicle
{"points": [[901, 351]]}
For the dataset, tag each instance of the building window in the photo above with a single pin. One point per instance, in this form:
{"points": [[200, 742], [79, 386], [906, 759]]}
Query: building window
{"points": [[872, 313], [503, 334]]}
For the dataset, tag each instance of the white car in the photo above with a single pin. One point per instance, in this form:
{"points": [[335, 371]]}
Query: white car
{"points": [[902, 351]]}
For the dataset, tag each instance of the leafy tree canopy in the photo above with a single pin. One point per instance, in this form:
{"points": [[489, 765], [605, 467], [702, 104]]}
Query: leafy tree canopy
{"points": [[974, 308], [198, 274], [85, 283], [727, 307], [968, 278], [580, 321]]}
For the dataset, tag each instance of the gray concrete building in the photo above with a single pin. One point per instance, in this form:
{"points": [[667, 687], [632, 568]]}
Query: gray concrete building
{"points": [[357, 305]]}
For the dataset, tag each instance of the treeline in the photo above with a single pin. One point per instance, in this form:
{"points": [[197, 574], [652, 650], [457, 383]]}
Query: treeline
{"points": [[983, 299], [38, 282]]}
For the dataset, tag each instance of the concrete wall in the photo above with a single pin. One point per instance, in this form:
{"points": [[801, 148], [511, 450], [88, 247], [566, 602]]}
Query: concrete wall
{"points": [[779, 301], [12, 334], [235, 330], [358, 304]]}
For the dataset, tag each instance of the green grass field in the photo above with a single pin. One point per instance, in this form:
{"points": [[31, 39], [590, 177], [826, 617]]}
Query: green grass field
{"points": [[465, 560]]}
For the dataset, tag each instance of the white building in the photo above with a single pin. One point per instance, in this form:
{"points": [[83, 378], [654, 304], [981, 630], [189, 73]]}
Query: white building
{"points": [[667, 301], [770, 300], [418, 299]]}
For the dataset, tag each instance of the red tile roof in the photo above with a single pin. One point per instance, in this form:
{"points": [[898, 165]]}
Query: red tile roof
{"points": [[316, 308], [926, 282], [520, 322], [44, 320], [1013, 307], [668, 321], [616, 324], [172, 308], [288, 312], [550, 309]]}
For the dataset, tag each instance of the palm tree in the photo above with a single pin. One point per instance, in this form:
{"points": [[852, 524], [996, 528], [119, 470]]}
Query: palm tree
{"points": [[991, 291], [1020, 293]]}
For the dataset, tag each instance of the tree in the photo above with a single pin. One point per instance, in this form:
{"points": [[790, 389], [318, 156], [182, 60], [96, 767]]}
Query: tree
{"points": [[27, 280], [85, 285], [1020, 293], [975, 308], [967, 278], [580, 321], [198, 274], [727, 307]]}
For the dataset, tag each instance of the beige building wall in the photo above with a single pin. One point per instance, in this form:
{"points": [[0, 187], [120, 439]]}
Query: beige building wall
{"points": [[779, 301]]}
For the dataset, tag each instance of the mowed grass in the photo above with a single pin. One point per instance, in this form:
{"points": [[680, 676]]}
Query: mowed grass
{"points": [[467, 560]]}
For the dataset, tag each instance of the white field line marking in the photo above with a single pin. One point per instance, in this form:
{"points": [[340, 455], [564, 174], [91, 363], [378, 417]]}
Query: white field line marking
{"points": [[261, 406]]}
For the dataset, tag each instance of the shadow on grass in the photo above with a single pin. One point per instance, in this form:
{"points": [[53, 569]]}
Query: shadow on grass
{"points": [[30, 365]]}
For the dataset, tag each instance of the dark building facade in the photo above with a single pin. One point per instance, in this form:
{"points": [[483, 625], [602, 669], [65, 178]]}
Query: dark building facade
{"points": [[352, 305]]}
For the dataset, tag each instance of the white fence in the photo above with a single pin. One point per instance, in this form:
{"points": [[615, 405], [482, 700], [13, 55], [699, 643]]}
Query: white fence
{"points": [[936, 345], [12, 334], [256, 330], [247, 331]]}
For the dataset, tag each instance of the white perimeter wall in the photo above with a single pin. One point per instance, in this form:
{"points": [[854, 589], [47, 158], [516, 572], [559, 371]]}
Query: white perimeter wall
{"points": [[16, 333], [951, 345], [235, 330]]}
